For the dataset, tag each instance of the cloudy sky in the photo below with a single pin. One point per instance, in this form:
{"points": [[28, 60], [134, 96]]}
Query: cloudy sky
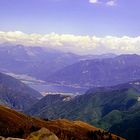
{"points": [[97, 25]]}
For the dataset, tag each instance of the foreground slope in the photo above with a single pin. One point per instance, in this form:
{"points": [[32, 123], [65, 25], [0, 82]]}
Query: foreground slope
{"points": [[15, 124], [16, 94]]}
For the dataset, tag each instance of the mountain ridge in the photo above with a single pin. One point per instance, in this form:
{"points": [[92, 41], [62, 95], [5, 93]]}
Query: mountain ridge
{"points": [[99, 72]]}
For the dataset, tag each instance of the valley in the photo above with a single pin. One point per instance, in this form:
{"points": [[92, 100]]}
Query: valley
{"points": [[100, 90], [69, 69], [47, 88]]}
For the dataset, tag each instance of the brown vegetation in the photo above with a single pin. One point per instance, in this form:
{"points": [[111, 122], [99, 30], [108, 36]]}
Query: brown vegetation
{"points": [[15, 124]]}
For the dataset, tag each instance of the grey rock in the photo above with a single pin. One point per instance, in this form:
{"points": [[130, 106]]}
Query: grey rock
{"points": [[42, 134]]}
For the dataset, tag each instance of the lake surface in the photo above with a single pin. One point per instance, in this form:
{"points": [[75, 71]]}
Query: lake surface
{"points": [[58, 89]]}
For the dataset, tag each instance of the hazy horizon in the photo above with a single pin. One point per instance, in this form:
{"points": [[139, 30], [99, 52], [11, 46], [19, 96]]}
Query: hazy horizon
{"points": [[73, 43], [81, 26]]}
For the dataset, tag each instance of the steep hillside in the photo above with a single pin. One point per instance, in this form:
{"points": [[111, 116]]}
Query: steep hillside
{"points": [[92, 106], [102, 107], [129, 127], [16, 94], [99, 72], [15, 124], [48, 102]]}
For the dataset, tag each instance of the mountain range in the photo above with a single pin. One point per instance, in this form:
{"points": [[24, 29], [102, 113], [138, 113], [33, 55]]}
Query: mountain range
{"points": [[57, 67], [33, 61], [36, 61], [99, 72], [34, 64], [111, 102], [104, 107]]}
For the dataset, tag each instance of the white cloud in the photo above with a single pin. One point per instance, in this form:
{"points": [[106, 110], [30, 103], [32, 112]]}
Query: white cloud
{"points": [[111, 3], [93, 1], [75, 44], [108, 2]]}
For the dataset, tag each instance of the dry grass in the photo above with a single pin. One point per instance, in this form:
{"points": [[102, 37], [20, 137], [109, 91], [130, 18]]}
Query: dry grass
{"points": [[15, 124]]}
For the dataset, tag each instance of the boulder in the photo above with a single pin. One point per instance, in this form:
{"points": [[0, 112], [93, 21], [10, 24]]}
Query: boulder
{"points": [[42, 134]]}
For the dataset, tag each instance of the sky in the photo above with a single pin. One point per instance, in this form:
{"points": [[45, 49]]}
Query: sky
{"points": [[80, 26], [79, 17]]}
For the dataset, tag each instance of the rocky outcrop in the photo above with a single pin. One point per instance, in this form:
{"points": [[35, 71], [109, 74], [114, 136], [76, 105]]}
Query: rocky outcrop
{"points": [[42, 134]]}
